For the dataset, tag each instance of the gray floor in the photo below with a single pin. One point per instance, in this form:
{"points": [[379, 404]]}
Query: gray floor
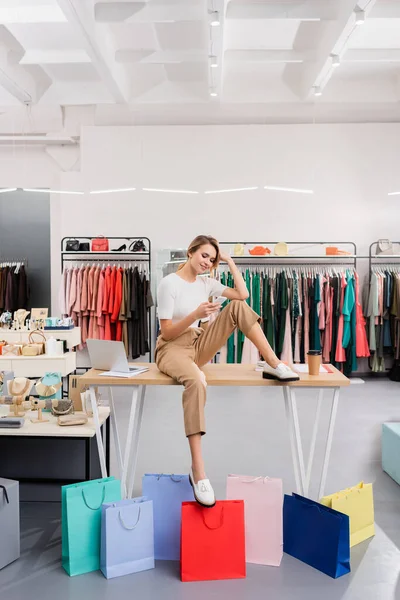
{"points": [[247, 435]]}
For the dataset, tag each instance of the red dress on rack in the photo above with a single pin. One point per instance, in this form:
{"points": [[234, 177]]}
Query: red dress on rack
{"points": [[106, 304], [340, 351], [117, 304], [362, 348]]}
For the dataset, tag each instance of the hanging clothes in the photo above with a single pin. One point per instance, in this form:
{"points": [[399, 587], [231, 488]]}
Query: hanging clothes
{"points": [[105, 304]]}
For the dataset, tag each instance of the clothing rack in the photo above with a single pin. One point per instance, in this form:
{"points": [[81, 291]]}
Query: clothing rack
{"points": [[111, 256], [381, 258], [13, 262]]}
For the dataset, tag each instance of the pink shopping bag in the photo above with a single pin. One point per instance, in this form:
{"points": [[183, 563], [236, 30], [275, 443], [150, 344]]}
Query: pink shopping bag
{"points": [[263, 509]]}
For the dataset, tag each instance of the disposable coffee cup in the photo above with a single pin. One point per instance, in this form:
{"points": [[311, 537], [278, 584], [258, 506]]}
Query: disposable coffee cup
{"points": [[314, 361]]}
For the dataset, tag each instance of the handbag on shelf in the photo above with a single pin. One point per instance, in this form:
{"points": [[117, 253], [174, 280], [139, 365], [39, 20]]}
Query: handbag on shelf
{"points": [[84, 247], [72, 245], [2, 344], [100, 244], [11, 350], [61, 407], [34, 348]]}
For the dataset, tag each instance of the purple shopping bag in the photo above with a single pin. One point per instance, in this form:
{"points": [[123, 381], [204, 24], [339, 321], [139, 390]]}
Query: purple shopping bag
{"points": [[263, 508], [167, 492], [127, 537]]}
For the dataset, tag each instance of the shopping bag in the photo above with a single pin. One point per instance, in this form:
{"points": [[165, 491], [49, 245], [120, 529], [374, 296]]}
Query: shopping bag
{"points": [[213, 541], [127, 537], [167, 492], [263, 506], [9, 521], [81, 522], [358, 503], [316, 535]]}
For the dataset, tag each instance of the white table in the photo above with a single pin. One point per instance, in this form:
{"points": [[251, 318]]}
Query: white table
{"points": [[218, 375], [52, 429], [49, 434]]}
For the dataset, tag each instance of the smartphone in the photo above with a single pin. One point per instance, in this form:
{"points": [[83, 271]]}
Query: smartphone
{"points": [[220, 300]]}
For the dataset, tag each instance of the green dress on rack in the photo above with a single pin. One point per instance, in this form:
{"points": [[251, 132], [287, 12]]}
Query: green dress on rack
{"points": [[268, 319], [230, 344], [240, 334]]}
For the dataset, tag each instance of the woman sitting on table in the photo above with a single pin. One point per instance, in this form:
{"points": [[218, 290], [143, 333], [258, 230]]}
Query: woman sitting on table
{"points": [[183, 346]]}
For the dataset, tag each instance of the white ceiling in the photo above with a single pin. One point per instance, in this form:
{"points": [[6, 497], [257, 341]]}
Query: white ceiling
{"points": [[148, 62]]}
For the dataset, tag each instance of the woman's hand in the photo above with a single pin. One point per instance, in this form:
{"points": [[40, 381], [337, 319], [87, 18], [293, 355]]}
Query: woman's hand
{"points": [[206, 309], [224, 257]]}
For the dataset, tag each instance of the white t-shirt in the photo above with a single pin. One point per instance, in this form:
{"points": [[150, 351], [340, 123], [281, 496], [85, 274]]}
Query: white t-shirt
{"points": [[177, 298]]}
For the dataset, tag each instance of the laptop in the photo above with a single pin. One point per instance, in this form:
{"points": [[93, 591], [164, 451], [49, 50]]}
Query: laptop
{"points": [[111, 357]]}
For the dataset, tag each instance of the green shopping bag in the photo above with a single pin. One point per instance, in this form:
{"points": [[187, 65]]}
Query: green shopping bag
{"points": [[81, 522]]}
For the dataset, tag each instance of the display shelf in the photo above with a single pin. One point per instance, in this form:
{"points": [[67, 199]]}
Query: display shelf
{"points": [[71, 336]]}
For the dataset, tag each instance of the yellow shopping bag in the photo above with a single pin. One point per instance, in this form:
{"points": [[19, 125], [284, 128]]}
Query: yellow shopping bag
{"points": [[358, 503]]}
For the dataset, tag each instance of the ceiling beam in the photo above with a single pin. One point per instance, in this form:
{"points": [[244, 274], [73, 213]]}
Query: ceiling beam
{"points": [[266, 56], [143, 12], [26, 86], [372, 55], [39, 13], [215, 46], [306, 11], [334, 42], [54, 57], [158, 57], [384, 55], [96, 42]]}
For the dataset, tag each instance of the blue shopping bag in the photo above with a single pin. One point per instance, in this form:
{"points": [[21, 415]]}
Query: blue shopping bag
{"points": [[81, 522], [316, 535], [167, 492], [127, 537]]}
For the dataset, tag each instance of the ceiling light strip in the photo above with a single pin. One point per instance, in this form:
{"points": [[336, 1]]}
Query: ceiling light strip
{"points": [[169, 191], [51, 191], [285, 189], [112, 191], [246, 189], [4, 190]]}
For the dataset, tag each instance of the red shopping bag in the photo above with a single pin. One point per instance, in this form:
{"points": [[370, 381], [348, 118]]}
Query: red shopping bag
{"points": [[213, 541]]}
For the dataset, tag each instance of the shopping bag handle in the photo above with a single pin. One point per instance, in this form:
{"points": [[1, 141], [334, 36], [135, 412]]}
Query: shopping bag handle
{"points": [[94, 507], [124, 525], [5, 493], [221, 519], [171, 477], [258, 479]]}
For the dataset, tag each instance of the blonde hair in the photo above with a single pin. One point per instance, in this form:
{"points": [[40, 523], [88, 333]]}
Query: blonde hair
{"points": [[202, 240]]}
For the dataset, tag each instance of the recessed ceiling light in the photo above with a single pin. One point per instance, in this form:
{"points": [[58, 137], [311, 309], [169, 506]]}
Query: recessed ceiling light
{"points": [[317, 91], [213, 62], [214, 19], [285, 189], [213, 92], [335, 60]]}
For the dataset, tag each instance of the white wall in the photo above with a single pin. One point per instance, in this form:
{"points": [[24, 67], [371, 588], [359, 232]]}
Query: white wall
{"points": [[350, 167]]}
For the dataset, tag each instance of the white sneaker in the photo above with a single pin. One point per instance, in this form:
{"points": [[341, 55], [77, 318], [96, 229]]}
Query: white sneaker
{"points": [[203, 492], [282, 373]]}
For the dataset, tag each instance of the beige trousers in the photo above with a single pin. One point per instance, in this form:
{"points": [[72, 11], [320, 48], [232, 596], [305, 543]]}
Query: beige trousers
{"points": [[182, 358]]}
